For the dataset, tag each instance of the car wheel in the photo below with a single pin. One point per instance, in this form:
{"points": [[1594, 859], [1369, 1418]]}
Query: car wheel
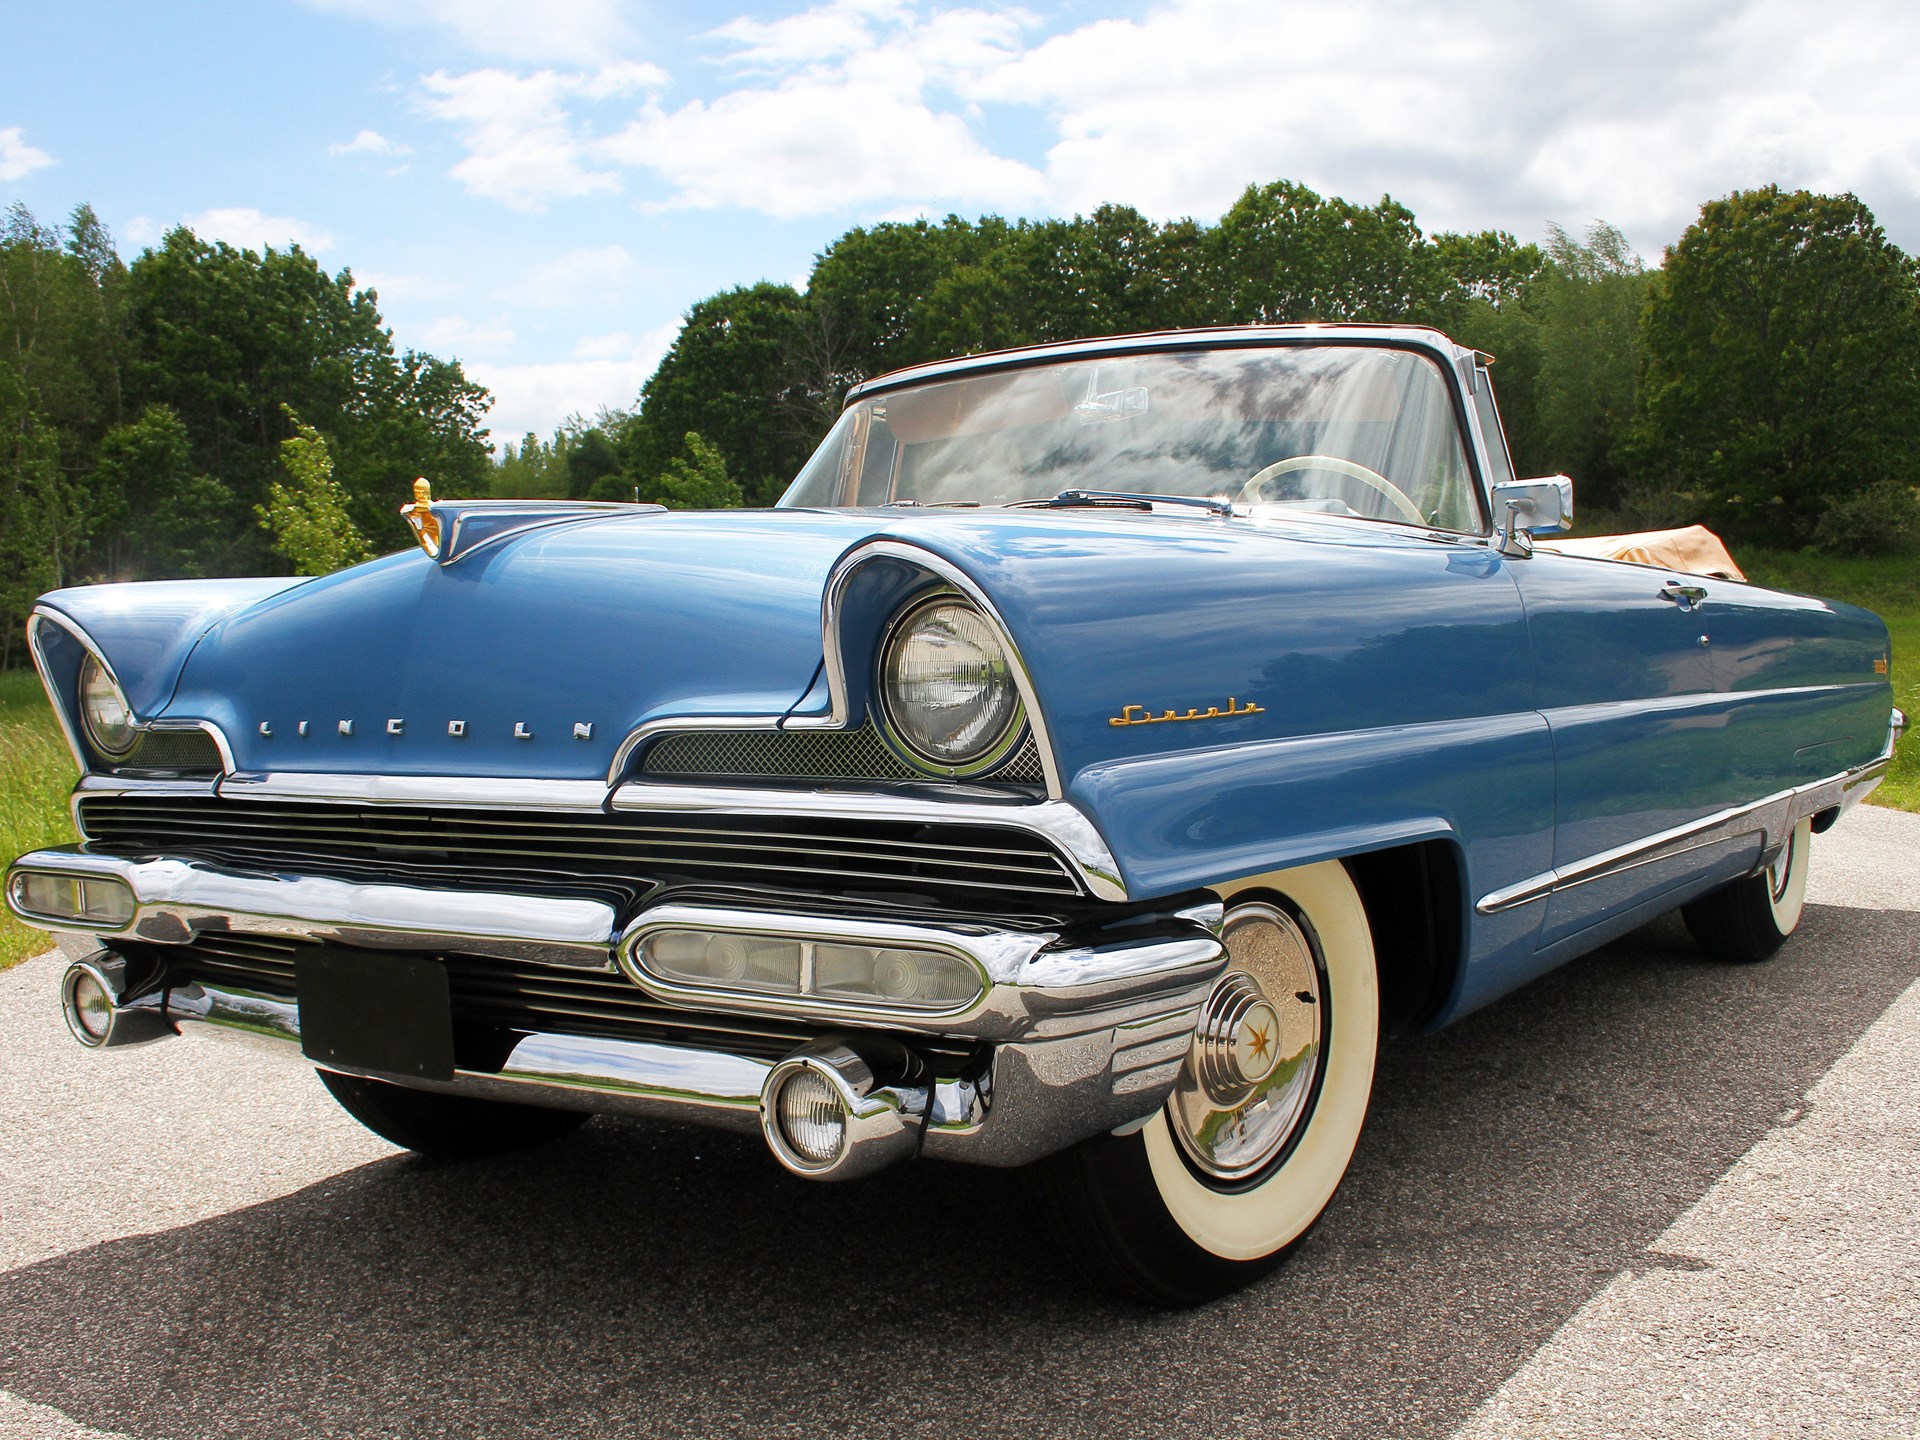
{"points": [[447, 1127], [1747, 921], [1231, 1174]]}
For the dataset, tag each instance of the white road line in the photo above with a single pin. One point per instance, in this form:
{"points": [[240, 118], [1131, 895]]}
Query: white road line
{"points": [[23, 1420], [1785, 1303]]}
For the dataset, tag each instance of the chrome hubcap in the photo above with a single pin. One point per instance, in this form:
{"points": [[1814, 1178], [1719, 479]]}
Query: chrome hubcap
{"points": [[1249, 1080]]}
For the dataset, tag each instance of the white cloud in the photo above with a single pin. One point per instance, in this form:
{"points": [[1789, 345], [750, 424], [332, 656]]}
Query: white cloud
{"points": [[370, 142], [247, 229], [538, 398], [393, 285], [1495, 115], [571, 32], [524, 148], [591, 274], [855, 115], [142, 231], [17, 158], [458, 336]]}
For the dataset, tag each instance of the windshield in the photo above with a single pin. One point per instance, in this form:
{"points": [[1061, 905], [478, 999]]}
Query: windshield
{"points": [[1348, 430]]}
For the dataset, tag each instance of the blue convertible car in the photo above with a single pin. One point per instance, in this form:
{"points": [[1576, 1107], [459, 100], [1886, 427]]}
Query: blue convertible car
{"points": [[1098, 748]]}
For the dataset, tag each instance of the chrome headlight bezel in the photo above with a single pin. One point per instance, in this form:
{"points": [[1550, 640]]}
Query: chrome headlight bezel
{"points": [[1000, 737], [112, 738]]}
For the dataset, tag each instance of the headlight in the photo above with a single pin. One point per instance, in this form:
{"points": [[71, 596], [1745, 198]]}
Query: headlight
{"points": [[108, 717], [946, 687]]}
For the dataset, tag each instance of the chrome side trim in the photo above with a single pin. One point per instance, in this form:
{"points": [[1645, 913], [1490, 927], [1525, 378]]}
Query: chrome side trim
{"points": [[1771, 817], [175, 900], [834, 665], [1055, 821], [460, 791], [42, 615]]}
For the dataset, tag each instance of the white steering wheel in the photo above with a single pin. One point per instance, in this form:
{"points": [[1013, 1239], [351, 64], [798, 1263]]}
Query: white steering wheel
{"points": [[1251, 492]]}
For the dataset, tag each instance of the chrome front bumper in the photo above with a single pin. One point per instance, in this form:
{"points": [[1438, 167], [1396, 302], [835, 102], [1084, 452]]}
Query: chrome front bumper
{"points": [[1081, 1034]]}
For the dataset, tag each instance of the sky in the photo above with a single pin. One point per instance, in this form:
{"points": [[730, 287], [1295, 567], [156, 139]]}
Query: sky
{"points": [[543, 189]]}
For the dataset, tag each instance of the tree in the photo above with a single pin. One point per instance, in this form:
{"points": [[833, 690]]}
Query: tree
{"points": [[738, 374], [1778, 363], [308, 519], [696, 479], [225, 338], [1282, 253]]}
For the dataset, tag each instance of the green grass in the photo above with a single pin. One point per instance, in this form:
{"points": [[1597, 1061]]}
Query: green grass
{"points": [[1889, 585], [36, 772]]}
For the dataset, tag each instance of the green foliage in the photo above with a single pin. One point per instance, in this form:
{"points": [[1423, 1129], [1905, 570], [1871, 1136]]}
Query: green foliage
{"points": [[1882, 519], [696, 479], [582, 461], [308, 519], [1778, 363], [141, 410], [1567, 338], [36, 772], [750, 370]]}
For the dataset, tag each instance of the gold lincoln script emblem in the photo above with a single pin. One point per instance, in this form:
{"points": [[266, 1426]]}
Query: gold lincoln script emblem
{"points": [[426, 525], [1137, 714]]}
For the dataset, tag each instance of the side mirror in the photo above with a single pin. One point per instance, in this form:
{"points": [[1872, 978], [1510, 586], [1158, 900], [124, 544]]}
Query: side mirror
{"points": [[1525, 508]]}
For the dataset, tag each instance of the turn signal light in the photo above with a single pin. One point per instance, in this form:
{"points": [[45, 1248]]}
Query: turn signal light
{"points": [[93, 901], [894, 976]]}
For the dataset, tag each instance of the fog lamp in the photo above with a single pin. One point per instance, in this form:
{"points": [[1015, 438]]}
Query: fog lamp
{"points": [[92, 1007], [94, 901], [812, 1118]]}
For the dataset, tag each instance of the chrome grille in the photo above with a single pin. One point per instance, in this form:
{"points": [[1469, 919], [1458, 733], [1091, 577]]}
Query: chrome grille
{"points": [[172, 751], [491, 994], [806, 754], [625, 854]]}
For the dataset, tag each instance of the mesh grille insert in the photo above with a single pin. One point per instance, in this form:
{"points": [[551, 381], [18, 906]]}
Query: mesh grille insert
{"points": [[175, 751], [806, 754]]}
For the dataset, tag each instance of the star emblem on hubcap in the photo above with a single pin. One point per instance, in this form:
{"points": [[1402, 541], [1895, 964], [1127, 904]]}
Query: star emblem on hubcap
{"points": [[1254, 1042]]}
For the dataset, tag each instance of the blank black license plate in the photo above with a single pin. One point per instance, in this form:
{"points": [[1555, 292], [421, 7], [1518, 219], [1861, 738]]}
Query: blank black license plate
{"points": [[364, 1010]]}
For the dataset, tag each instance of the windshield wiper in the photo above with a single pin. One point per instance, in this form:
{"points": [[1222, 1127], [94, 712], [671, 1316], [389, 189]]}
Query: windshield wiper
{"points": [[1070, 499]]}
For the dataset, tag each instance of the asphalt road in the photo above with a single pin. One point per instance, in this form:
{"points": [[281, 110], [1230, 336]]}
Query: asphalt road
{"points": [[1577, 1212]]}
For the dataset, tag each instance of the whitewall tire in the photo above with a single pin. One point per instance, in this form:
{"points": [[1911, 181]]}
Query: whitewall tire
{"points": [[1750, 919], [1247, 1154]]}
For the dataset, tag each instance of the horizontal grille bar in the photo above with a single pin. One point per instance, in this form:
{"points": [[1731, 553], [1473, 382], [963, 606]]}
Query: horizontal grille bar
{"points": [[627, 853], [511, 995]]}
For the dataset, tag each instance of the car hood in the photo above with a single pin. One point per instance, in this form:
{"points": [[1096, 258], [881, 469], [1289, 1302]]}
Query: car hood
{"points": [[538, 654], [534, 655]]}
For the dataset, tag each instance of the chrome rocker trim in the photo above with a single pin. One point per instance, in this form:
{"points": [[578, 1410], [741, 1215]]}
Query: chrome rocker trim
{"points": [[1772, 818]]}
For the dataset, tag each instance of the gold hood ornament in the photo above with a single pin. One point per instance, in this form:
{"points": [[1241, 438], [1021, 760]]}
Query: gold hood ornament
{"points": [[419, 515]]}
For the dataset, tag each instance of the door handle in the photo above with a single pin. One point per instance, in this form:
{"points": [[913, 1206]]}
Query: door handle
{"points": [[1687, 597]]}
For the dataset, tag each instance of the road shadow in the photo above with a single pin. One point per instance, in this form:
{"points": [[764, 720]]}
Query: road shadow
{"points": [[643, 1280]]}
